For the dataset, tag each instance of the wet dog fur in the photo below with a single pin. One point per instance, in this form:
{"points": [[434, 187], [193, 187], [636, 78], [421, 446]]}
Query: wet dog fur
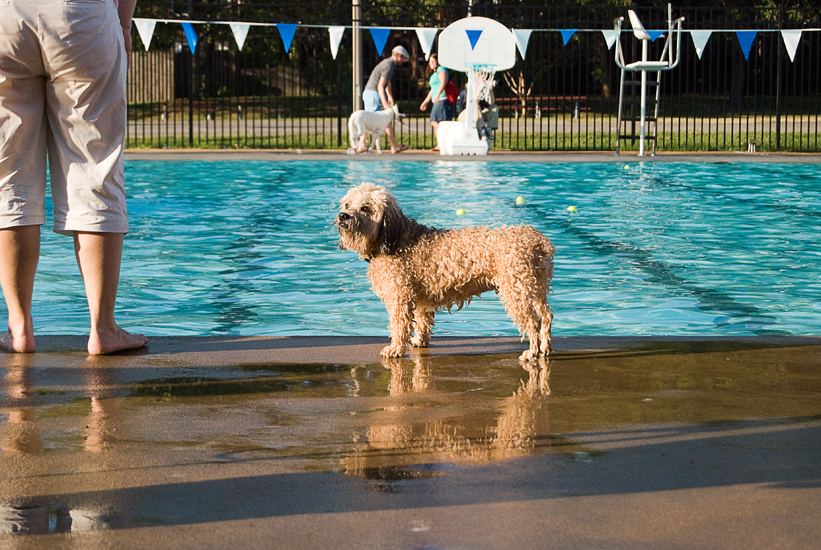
{"points": [[418, 270]]}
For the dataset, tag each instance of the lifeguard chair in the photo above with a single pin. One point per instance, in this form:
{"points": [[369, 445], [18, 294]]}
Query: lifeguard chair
{"points": [[479, 47], [667, 62]]}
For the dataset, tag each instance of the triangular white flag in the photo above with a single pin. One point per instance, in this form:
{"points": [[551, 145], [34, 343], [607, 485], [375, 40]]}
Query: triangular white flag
{"points": [[522, 37], [336, 37], [240, 33], [426, 37], [610, 37], [146, 29], [700, 39], [791, 40]]}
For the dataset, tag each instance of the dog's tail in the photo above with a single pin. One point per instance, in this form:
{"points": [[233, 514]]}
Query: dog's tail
{"points": [[354, 144], [536, 241], [544, 251], [547, 251], [545, 246]]}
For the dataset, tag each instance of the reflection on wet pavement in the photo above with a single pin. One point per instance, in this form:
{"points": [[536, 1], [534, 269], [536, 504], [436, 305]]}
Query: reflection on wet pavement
{"points": [[92, 447]]}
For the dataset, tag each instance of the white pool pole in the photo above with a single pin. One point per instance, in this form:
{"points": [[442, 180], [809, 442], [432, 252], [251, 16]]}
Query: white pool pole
{"points": [[643, 97], [470, 97]]}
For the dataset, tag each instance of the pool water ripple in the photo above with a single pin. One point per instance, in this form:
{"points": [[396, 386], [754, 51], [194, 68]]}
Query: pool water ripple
{"points": [[239, 247]]}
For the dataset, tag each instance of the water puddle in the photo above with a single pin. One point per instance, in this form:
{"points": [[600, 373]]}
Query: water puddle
{"points": [[84, 449]]}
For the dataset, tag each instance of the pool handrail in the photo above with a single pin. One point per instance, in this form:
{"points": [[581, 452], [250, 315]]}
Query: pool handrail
{"points": [[640, 33]]}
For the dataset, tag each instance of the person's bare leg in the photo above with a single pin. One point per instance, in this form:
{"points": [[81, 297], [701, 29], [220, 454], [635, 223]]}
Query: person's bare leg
{"points": [[389, 131], [99, 256], [362, 143], [391, 138], [19, 254]]}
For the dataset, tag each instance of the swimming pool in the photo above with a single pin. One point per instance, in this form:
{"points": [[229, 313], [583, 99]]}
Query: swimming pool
{"points": [[247, 247]]}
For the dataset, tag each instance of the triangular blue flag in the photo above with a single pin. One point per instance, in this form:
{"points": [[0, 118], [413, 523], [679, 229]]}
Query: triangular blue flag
{"points": [[286, 31], [380, 37], [191, 35], [655, 34], [745, 39], [473, 36], [567, 34]]}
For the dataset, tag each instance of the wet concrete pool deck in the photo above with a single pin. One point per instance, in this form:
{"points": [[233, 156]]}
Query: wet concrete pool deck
{"points": [[313, 442]]}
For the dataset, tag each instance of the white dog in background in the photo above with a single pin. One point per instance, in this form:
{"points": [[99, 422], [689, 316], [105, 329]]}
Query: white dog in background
{"points": [[368, 122]]}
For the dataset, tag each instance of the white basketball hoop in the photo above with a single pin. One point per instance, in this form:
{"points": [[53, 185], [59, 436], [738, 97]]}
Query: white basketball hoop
{"points": [[479, 47], [481, 78]]}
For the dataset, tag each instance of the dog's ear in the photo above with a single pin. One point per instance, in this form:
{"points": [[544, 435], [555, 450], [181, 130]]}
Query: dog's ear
{"points": [[391, 230]]}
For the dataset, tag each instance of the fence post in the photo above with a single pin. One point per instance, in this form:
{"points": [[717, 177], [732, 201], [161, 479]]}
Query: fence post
{"points": [[339, 82], [357, 55], [190, 99], [778, 80], [190, 85]]}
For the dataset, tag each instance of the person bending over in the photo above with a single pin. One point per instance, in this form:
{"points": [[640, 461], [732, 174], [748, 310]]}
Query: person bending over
{"points": [[377, 94]]}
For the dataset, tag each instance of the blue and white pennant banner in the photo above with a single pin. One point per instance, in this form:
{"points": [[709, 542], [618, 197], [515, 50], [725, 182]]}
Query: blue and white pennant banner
{"points": [[427, 36]]}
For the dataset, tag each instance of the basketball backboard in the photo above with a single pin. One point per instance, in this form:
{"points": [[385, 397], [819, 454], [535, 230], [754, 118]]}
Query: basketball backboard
{"points": [[477, 41]]}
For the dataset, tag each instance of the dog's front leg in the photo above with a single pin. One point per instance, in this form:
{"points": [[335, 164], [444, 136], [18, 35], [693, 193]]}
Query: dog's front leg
{"points": [[422, 325], [390, 281], [401, 316]]}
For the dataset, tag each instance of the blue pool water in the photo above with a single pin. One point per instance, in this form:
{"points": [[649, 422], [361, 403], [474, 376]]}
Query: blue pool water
{"points": [[247, 248]]}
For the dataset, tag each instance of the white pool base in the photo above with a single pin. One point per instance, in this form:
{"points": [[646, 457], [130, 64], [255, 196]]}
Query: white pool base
{"points": [[455, 139]]}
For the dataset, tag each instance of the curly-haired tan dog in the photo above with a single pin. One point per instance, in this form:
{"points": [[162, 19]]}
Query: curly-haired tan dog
{"points": [[417, 270]]}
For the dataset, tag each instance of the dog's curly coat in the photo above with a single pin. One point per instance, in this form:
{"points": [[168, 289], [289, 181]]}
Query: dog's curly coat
{"points": [[417, 270]]}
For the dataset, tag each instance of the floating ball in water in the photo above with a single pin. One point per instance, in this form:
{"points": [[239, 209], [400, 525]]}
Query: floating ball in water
{"points": [[520, 200], [460, 212], [571, 209]]}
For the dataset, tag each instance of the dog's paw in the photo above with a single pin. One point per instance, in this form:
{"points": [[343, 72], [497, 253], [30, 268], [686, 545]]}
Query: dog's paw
{"points": [[419, 342], [528, 356], [392, 351]]}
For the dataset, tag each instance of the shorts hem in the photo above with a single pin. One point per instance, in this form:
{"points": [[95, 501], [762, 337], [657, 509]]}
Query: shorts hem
{"points": [[71, 228], [441, 111], [16, 221]]}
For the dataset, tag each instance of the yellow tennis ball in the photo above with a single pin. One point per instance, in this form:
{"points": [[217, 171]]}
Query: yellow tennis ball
{"points": [[571, 209], [520, 200], [460, 212], [627, 167]]}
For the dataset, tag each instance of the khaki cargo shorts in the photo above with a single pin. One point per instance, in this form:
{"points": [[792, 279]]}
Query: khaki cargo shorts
{"points": [[62, 98]]}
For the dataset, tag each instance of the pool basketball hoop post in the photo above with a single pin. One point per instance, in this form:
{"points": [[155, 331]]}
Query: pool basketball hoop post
{"points": [[478, 46]]}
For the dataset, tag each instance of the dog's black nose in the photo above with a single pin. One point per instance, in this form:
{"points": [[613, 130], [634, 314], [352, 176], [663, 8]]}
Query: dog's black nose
{"points": [[344, 220]]}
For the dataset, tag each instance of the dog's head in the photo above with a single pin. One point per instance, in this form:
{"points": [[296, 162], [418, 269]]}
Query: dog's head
{"points": [[397, 115], [369, 221]]}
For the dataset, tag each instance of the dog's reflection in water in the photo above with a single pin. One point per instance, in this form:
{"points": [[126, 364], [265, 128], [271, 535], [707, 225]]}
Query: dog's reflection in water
{"points": [[452, 428], [523, 423], [409, 376]]}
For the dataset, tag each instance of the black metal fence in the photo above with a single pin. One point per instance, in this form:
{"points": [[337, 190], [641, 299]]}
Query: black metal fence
{"points": [[561, 97]]}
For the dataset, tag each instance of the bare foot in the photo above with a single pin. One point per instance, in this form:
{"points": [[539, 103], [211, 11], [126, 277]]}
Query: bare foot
{"points": [[104, 342], [22, 343]]}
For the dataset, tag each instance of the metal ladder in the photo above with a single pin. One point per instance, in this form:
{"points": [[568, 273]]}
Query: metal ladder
{"points": [[626, 124]]}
